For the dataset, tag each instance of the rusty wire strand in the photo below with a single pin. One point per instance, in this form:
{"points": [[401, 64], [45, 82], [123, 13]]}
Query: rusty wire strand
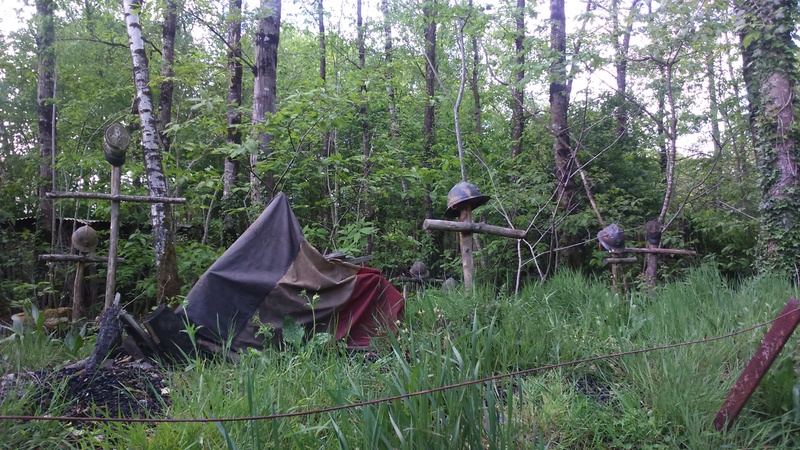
{"points": [[395, 397]]}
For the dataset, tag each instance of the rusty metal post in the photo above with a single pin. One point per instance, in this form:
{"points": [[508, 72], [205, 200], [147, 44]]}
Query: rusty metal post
{"points": [[759, 364], [465, 239]]}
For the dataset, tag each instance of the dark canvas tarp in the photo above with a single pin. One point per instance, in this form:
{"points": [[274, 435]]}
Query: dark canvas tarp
{"points": [[271, 272]]}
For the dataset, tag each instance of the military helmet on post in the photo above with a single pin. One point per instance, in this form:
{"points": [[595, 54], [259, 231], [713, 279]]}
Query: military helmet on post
{"points": [[464, 194], [85, 239]]}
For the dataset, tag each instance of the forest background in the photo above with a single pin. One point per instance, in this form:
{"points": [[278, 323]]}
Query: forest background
{"points": [[570, 116]]}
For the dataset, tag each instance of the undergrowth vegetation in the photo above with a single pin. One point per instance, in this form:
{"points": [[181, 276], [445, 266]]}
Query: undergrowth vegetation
{"points": [[659, 399]]}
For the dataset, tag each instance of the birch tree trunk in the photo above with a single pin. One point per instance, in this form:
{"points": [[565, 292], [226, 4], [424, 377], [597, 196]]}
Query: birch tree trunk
{"points": [[168, 283], [264, 86]]}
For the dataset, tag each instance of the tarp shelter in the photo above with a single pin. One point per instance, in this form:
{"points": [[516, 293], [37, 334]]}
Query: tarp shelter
{"points": [[272, 272]]}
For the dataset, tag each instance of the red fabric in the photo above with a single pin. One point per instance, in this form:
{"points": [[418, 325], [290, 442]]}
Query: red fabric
{"points": [[375, 305]]}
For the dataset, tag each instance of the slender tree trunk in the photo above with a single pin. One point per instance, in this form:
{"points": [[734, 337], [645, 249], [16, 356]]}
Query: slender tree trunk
{"points": [[559, 104], [265, 83], [429, 11], [45, 93], [620, 40], [661, 114], [167, 71], [672, 143], [517, 121], [771, 74], [713, 102], [474, 87], [365, 131], [168, 283], [233, 135], [325, 150], [566, 189], [394, 126]]}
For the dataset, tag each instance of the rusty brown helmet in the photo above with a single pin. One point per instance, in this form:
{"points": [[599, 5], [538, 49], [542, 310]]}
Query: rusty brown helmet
{"points": [[464, 194], [85, 239]]}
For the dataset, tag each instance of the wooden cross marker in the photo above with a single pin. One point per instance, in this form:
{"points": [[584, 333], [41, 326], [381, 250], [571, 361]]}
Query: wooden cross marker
{"points": [[653, 236], [461, 200], [114, 146]]}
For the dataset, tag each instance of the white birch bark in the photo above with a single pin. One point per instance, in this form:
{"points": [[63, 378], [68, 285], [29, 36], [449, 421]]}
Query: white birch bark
{"points": [[156, 181]]}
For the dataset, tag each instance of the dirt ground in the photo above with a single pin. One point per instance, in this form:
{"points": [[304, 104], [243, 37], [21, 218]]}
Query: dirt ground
{"points": [[123, 388]]}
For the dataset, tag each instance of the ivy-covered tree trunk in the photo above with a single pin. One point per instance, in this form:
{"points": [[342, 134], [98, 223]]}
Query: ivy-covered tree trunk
{"points": [[46, 89], [264, 86], [517, 123], [168, 283], [771, 74]]}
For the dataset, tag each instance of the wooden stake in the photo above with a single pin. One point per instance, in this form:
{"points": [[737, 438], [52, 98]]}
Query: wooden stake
{"points": [[466, 249], [77, 293], [653, 237], [116, 176]]}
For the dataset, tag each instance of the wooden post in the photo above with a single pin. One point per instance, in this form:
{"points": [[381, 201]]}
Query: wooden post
{"points": [[77, 293], [116, 176], [465, 227], [465, 239], [653, 236]]}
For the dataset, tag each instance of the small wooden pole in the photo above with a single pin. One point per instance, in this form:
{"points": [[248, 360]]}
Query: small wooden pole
{"points": [[653, 237], [466, 248], [77, 293], [116, 176]]}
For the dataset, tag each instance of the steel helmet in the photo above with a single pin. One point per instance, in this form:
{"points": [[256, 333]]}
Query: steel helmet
{"points": [[115, 143], [85, 239], [418, 270], [464, 194], [612, 238]]}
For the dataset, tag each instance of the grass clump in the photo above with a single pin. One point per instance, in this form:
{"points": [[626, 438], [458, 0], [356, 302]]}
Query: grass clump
{"points": [[661, 399]]}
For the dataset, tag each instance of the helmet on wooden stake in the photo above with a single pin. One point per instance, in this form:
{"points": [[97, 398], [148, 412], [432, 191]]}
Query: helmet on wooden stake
{"points": [[85, 239], [462, 195], [612, 238]]}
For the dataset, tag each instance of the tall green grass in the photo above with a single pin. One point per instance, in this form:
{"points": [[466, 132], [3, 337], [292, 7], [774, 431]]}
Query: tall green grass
{"points": [[661, 399]]}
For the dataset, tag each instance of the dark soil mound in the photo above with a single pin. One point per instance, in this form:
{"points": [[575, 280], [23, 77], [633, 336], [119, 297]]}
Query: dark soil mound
{"points": [[130, 389]]}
